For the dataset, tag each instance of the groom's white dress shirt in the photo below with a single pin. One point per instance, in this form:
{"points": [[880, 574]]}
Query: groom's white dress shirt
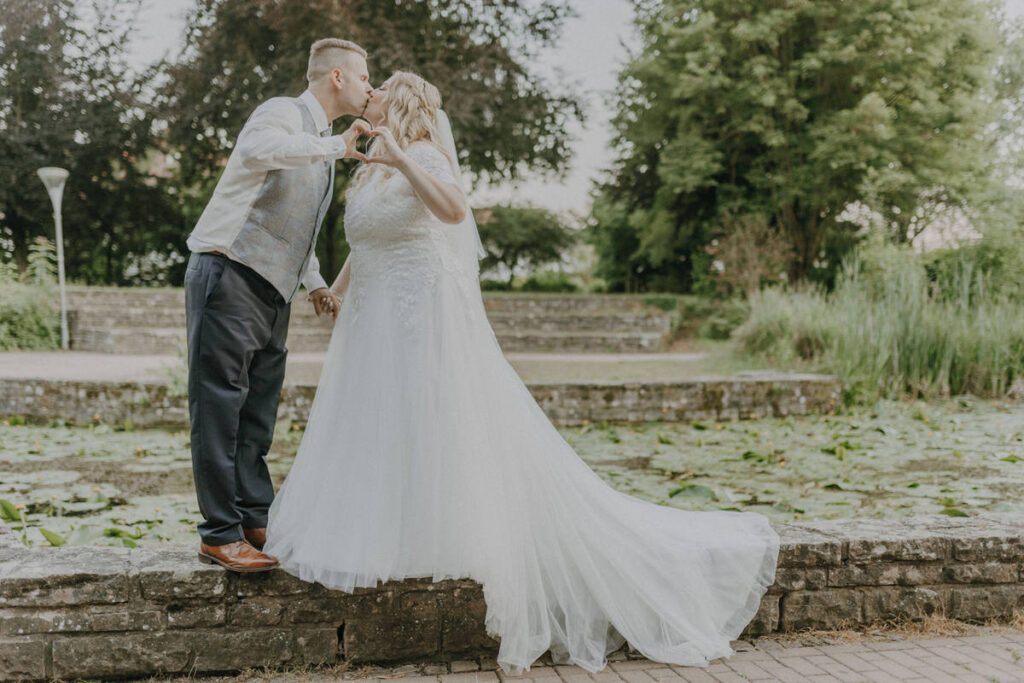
{"points": [[271, 139]]}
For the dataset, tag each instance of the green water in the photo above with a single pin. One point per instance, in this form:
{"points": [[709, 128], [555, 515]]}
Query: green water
{"points": [[107, 486]]}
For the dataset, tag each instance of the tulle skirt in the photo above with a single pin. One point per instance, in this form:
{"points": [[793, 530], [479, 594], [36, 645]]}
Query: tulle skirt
{"points": [[425, 455]]}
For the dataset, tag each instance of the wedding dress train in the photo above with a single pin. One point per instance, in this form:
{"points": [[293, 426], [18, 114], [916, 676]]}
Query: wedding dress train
{"points": [[425, 455]]}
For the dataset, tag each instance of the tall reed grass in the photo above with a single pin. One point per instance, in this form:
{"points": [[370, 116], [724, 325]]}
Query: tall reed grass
{"points": [[892, 329]]}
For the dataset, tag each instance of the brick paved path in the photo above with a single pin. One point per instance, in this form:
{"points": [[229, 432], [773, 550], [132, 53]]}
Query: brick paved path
{"points": [[987, 655]]}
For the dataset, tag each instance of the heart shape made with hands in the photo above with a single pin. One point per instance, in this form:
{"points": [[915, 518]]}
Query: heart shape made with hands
{"points": [[390, 152], [353, 135]]}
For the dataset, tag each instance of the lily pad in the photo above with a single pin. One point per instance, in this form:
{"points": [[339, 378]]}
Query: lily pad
{"points": [[692, 490]]}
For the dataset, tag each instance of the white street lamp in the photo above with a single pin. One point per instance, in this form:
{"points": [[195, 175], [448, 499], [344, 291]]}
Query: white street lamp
{"points": [[53, 178]]}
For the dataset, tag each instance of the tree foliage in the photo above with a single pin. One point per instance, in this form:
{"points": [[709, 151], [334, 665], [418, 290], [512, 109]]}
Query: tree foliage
{"points": [[515, 236], [67, 98], [480, 53], [812, 113]]}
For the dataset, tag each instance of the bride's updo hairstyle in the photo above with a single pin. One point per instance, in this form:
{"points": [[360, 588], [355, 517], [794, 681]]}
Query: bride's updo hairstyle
{"points": [[410, 114]]}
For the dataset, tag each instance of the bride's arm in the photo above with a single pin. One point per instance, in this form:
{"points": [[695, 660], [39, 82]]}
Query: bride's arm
{"points": [[340, 284], [445, 200], [432, 183]]}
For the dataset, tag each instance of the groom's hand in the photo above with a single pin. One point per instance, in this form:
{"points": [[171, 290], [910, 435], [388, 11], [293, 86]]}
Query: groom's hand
{"points": [[325, 301], [351, 136]]}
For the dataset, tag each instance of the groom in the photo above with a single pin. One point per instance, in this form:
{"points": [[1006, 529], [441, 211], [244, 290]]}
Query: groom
{"points": [[253, 246]]}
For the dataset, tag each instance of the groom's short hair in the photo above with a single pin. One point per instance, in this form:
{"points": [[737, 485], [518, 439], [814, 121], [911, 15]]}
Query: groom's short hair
{"points": [[329, 53]]}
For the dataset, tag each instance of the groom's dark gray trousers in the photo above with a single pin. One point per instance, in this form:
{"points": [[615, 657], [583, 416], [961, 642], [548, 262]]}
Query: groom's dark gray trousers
{"points": [[237, 325]]}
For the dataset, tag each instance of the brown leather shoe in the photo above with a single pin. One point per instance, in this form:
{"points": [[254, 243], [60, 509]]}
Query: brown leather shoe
{"points": [[257, 537], [237, 557]]}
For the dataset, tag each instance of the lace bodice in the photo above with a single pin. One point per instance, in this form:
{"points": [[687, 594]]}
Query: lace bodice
{"points": [[385, 211], [396, 241]]}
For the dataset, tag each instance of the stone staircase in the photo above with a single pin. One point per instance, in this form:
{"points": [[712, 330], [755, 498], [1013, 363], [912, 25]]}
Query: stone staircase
{"points": [[152, 321]]}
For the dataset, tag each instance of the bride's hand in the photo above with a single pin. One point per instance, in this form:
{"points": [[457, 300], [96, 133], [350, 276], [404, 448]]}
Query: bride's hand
{"points": [[351, 136], [391, 154]]}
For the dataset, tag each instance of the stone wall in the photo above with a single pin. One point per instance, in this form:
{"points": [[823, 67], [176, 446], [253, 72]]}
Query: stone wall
{"points": [[97, 612], [710, 398]]}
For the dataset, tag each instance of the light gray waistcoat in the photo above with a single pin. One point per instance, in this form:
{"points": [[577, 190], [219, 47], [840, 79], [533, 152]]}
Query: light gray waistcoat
{"points": [[279, 234]]}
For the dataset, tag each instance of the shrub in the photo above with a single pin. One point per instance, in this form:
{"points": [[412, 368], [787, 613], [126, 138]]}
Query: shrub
{"points": [[29, 313], [489, 285], [549, 281], [724, 318]]}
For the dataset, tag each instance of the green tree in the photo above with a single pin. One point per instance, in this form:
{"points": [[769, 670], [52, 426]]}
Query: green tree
{"points": [[67, 98], [802, 111], [516, 236], [480, 54]]}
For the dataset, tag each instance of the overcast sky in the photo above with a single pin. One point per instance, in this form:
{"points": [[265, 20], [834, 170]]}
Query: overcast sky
{"points": [[590, 54], [592, 50]]}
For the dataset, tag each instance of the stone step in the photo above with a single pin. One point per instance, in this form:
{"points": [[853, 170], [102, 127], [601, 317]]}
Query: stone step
{"points": [[169, 340], [93, 316], [568, 303], [152, 320], [143, 297], [580, 341], [126, 296], [546, 321]]}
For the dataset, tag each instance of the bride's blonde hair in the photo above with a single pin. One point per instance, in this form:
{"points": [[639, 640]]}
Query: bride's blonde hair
{"points": [[411, 115]]}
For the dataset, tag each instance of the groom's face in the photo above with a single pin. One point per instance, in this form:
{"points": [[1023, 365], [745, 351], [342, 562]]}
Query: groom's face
{"points": [[354, 89]]}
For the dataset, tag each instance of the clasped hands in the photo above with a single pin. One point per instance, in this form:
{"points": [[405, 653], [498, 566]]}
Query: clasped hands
{"points": [[388, 153], [325, 301]]}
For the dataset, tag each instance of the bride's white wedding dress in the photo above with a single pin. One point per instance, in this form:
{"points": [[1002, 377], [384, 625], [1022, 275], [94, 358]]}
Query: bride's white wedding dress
{"points": [[425, 455]]}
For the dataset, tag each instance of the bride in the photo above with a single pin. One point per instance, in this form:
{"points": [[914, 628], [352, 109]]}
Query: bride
{"points": [[425, 455]]}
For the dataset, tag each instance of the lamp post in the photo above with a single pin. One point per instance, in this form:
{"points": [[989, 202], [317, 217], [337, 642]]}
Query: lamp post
{"points": [[53, 178]]}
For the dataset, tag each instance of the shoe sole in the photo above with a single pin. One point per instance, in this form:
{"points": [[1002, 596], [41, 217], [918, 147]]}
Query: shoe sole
{"points": [[207, 559]]}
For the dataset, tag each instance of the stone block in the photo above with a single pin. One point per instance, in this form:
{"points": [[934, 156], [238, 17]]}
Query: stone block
{"points": [[985, 572], [885, 574], [466, 634], [800, 578], [419, 604], [329, 609], [975, 603], [123, 654], [823, 609], [276, 582], [165, 575], [980, 547], [52, 577], [266, 647], [804, 547], [10, 546], [390, 638], [196, 614], [767, 618], [911, 602], [256, 611], [882, 540], [91, 618], [463, 630], [22, 658]]}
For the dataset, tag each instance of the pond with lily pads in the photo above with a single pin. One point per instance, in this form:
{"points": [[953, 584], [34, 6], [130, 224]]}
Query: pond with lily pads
{"points": [[105, 485]]}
